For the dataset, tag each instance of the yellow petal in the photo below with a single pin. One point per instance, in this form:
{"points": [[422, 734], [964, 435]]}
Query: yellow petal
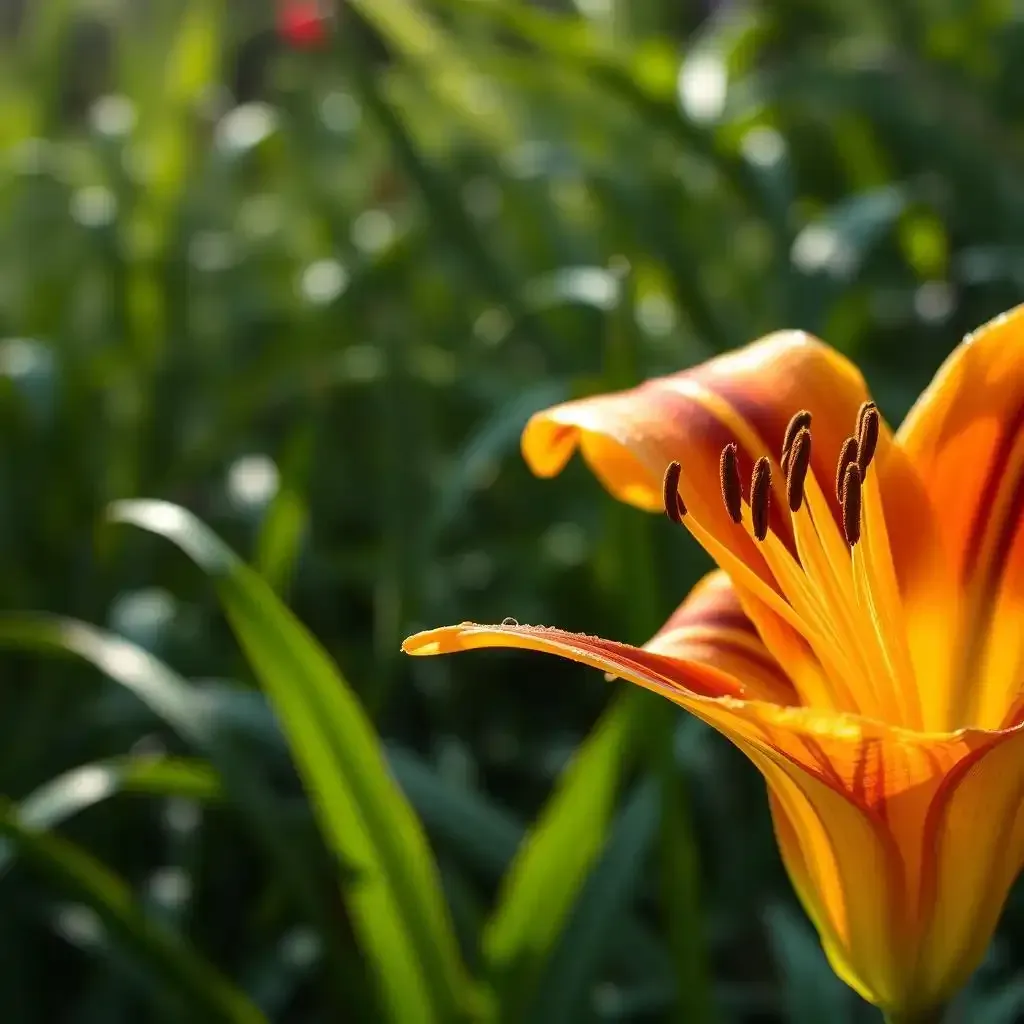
{"points": [[965, 435]]}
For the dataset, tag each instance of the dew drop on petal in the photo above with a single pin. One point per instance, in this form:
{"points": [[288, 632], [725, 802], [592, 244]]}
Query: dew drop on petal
{"points": [[509, 621]]}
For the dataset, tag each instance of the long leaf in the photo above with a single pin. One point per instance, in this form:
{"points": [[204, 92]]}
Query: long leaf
{"points": [[187, 710], [73, 791], [446, 69], [392, 887], [599, 911], [168, 956], [541, 887], [681, 882]]}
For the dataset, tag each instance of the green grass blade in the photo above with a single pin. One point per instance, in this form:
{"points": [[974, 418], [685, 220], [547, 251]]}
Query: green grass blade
{"points": [[392, 887], [73, 791], [440, 192], [191, 712], [482, 835], [185, 974], [552, 865], [284, 526], [442, 62], [164, 693], [680, 893], [599, 911]]}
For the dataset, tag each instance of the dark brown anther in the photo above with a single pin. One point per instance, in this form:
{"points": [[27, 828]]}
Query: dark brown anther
{"points": [[801, 421], [865, 408], [847, 455], [760, 497], [851, 504], [796, 471], [732, 489], [867, 440], [675, 508]]}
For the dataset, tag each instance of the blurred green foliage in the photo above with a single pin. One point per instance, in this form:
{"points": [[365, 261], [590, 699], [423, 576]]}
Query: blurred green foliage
{"points": [[311, 294]]}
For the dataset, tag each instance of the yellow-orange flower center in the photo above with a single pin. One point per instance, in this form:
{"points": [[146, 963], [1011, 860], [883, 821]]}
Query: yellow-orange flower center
{"points": [[834, 583]]}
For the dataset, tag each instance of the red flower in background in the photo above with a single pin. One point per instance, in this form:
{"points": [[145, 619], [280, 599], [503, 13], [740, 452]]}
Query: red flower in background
{"points": [[303, 24]]}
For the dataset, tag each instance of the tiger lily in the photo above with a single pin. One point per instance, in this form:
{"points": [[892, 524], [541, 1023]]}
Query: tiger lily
{"points": [[862, 640]]}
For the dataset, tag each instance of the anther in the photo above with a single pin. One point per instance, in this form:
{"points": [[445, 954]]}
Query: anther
{"points": [[760, 497], [867, 439], [865, 408], [732, 489], [847, 455], [801, 421], [851, 504], [796, 471], [675, 508]]}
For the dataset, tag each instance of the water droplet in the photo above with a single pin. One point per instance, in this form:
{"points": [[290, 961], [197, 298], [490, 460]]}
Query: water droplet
{"points": [[509, 621]]}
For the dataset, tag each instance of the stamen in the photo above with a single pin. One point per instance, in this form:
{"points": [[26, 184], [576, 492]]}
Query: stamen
{"points": [[867, 439], [675, 508], [796, 471], [865, 408], [801, 421], [851, 504], [847, 455], [760, 497], [732, 489]]}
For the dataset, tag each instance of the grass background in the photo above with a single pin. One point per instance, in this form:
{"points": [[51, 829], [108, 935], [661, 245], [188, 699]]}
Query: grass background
{"points": [[310, 294]]}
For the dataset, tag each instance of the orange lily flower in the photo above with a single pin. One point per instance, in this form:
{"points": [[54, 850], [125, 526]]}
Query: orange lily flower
{"points": [[862, 641]]}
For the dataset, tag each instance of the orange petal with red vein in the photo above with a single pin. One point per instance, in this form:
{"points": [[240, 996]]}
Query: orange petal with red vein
{"points": [[748, 397], [669, 676], [966, 437], [711, 627], [976, 834]]}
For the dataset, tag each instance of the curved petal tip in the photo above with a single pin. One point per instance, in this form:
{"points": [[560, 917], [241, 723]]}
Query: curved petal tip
{"points": [[443, 640], [547, 445]]}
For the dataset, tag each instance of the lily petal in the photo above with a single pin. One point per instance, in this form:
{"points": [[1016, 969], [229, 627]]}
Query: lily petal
{"points": [[877, 824], [711, 627], [747, 396], [965, 436], [977, 833], [669, 676]]}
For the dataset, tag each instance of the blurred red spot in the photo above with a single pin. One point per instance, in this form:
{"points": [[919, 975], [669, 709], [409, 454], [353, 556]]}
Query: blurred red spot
{"points": [[302, 23]]}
